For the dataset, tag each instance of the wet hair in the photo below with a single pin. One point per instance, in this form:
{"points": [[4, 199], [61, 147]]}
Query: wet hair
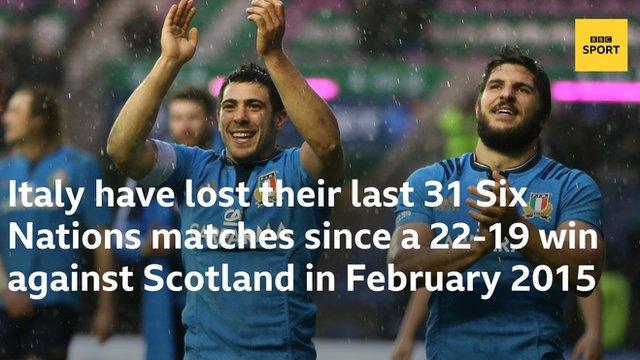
{"points": [[199, 95], [248, 73], [511, 54], [44, 103]]}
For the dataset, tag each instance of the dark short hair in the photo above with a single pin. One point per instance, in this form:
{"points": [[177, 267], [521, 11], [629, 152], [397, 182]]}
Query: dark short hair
{"points": [[511, 54], [199, 95], [44, 103], [251, 72]]}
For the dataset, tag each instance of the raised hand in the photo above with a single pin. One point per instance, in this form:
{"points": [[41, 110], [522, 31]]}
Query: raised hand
{"points": [[269, 17], [487, 216], [178, 42]]}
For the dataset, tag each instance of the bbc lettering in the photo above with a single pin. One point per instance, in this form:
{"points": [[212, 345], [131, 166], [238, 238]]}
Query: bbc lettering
{"points": [[600, 49], [601, 39]]}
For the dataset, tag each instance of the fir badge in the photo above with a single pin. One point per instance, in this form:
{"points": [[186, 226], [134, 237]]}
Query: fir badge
{"points": [[539, 205], [269, 179]]}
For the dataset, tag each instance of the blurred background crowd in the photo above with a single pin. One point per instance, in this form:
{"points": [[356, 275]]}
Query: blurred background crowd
{"points": [[401, 76]]}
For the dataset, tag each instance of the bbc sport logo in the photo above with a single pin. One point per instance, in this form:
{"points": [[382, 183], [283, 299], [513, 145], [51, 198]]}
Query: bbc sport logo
{"points": [[601, 45]]}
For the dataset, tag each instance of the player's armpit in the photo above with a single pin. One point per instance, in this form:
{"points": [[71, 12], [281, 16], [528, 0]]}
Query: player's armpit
{"points": [[139, 162], [329, 168]]}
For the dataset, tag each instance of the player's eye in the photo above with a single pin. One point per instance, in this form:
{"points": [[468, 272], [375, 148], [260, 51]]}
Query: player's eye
{"points": [[254, 106], [228, 106], [524, 90]]}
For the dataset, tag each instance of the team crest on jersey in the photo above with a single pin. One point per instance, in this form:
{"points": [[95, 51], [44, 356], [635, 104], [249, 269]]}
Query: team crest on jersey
{"points": [[539, 205], [59, 175], [270, 179]]}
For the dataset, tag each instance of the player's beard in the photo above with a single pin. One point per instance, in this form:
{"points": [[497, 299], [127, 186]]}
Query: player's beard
{"points": [[512, 141]]}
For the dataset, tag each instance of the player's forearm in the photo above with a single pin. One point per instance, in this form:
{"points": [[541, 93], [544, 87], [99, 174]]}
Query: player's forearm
{"points": [[537, 254], [591, 309], [309, 113], [126, 144], [104, 260], [435, 260], [415, 314]]}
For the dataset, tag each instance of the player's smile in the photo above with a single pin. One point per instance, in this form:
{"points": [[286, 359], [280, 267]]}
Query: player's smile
{"points": [[242, 136], [505, 112]]}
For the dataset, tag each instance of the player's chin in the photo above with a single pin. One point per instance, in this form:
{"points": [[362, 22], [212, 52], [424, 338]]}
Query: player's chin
{"points": [[242, 153]]}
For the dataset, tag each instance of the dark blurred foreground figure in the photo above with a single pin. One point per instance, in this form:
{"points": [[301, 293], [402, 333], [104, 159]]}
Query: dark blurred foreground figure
{"points": [[513, 105], [42, 329], [254, 104], [191, 123]]}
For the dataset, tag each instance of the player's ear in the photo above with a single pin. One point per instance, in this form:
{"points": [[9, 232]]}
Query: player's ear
{"points": [[281, 119], [477, 107]]}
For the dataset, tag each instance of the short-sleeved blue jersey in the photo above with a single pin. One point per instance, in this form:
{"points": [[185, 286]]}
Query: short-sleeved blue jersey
{"points": [[158, 307], [75, 169], [509, 325], [251, 324]]}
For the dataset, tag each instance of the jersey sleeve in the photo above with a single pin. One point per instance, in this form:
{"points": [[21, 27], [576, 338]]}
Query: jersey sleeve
{"points": [[415, 210], [174, 165], [90, 214], [581, 200]]}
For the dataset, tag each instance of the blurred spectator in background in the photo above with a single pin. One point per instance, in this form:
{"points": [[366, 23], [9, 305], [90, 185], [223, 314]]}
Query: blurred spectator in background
{"points": [[42, 329], [459, 129]]}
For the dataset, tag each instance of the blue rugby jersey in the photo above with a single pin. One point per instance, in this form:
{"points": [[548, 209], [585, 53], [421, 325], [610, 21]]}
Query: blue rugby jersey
{"points": [[509, 325], [244, 325], [75, 169], [158, 307]]}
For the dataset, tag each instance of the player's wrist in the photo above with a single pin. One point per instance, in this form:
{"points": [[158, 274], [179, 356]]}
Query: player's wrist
{"points": [[171, 63], [274, 57], [593, 331]]}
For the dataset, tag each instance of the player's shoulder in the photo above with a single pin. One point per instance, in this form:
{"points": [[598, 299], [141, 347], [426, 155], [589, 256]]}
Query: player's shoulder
{"points": [[287, 153], [444, 170], [553, 170], [197, 154], [291, 154]]}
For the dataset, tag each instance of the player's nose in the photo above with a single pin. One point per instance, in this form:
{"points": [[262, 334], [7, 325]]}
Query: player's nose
{"points": [[240, 115], [508, 92]]}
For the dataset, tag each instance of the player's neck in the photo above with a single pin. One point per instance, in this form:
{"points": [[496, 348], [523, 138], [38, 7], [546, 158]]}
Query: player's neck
{"points": [[36, 149], [500, 161]]}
